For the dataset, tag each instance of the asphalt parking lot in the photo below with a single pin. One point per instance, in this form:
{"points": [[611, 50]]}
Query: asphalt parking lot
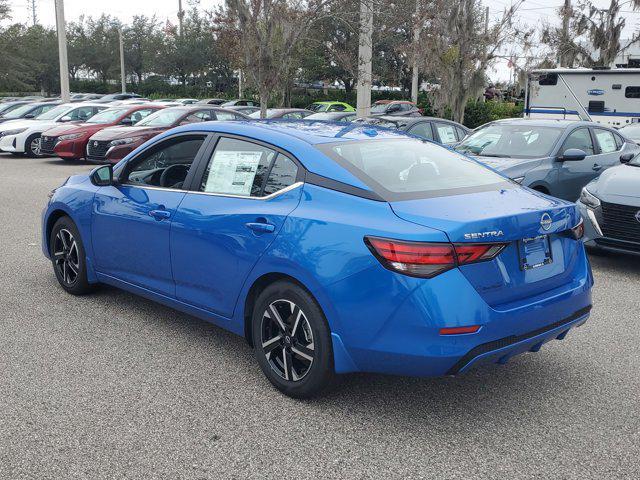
{"points": [[114, 386]]}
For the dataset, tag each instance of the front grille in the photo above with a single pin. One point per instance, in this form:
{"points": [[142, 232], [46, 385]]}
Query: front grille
{"points": [[619, 244], [620, 222], [97, 148], [47, 144]]}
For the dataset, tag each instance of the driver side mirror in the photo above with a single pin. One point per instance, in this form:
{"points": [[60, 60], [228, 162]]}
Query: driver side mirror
{"points": [[572, 155], [102, 176], [626, 157], [29, 115]]}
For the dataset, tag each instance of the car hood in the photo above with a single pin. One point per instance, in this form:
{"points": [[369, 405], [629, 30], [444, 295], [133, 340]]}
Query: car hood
{"points": [[511, 167], [113, 133], [73, 128], [616, 182], [19, 123]]}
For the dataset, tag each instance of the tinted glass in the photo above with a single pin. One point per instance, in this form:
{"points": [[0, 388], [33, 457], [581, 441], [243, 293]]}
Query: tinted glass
{"points": [[410, 166], [520, 141], [282, 175], [422, 129], [237, 167], [606, 140], [580, 139], [108, 116], [447, 133], [167, 165], [632, 92], [163, 118]]}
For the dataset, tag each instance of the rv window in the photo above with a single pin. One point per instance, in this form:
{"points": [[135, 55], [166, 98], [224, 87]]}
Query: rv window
{"points": [[632, 92], [596, 106], [548, 79], [616, 86]]}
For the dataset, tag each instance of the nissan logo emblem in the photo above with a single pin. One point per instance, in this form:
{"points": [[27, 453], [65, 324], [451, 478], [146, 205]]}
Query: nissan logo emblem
{"points": [[545, 221], [638, 215], [95, 143]]}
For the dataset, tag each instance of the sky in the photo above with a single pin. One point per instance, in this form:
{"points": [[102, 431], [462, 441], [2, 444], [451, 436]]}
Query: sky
{"points": [[533, 12]]}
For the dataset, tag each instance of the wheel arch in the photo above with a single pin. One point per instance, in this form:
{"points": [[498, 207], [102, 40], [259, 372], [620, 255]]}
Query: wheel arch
{"points": [[51, 220]]}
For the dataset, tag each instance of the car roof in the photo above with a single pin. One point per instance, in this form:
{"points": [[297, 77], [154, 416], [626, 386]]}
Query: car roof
{"points": [[546, 122], [393, 101]]}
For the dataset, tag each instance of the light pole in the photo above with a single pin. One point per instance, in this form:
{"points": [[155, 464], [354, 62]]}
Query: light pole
{"points": [[363, 88], [122, 75], [62, 51]]}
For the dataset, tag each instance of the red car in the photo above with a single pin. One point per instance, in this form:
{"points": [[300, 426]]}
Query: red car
{"points": [[69, 141], [113, 144]]}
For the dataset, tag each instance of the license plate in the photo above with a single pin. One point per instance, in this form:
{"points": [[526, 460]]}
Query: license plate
{"points": [[535, 252]]}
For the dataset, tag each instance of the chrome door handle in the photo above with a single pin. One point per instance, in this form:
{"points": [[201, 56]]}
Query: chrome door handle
{"points": [[596, 167], [261, 227], [160, 214]]}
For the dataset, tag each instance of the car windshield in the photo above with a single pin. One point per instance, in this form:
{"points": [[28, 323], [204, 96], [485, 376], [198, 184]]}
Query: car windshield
{"points": [[379, 122], [54, 112], [379, 107], [631, 131], [19, 112], [519, 141], [318, 107], [162, 118], [399, 169], [9, 108], [108, 116]]}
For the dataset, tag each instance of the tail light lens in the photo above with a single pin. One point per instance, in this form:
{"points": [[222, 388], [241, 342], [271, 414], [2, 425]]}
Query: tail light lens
{"points": [[422, 259]]}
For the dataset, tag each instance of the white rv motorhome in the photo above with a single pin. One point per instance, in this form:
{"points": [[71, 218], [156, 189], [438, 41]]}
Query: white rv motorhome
{"points": [[607, 96]]}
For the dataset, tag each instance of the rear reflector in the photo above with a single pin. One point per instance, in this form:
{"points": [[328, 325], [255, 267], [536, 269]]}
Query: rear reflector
{"points": [[459, 330], [422, 259]]}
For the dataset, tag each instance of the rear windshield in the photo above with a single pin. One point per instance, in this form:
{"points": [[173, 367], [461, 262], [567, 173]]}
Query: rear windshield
{"points": [[403, 169], [511, 141]]}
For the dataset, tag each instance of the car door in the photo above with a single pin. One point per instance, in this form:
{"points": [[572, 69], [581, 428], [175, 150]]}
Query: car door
{"points": [[573, 175], [244, 194], [607, 149], [131, 220]]}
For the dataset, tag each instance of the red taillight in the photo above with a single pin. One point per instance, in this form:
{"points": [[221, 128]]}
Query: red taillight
{"points": [[422, 259], [459, 330]]}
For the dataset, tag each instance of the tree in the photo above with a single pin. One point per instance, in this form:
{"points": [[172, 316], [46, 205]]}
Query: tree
{"points": [[462, 46], [102, 55], [269, 33], [5, 10], [142, 45]]}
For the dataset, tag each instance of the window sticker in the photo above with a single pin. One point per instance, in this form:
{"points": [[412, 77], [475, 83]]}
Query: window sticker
{"points": [[233, 172]]}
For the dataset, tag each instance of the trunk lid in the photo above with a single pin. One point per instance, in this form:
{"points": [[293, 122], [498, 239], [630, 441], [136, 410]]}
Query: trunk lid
{"points": [[510, 216]]}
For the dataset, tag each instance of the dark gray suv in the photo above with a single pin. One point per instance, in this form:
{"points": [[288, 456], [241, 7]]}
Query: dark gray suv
{"points": [[557, 157]]}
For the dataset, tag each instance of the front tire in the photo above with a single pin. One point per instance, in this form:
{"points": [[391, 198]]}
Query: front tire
{"points": [[292, 340], [32, 146], [68, 257]]}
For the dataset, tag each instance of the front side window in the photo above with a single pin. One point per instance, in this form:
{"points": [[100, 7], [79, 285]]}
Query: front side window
{"points": [[400, 169], [165, 165], [221, 115], [138, 115], [447, 133], [606, 140], [580, 139], [237, 167], [517, 140], [423, 130], [81, 114]]}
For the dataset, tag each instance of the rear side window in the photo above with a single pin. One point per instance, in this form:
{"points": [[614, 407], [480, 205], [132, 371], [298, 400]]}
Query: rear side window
{"points": [[580, 139], [447, 133], [606, 140], [237, 167], [423, 130], [632, 92], [283, 174], [400, 169]]}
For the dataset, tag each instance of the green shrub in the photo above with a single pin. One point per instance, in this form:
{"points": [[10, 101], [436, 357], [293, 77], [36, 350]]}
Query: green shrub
{"points": [[479, 113]]}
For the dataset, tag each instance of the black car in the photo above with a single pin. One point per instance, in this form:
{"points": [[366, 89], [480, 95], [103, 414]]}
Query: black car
{"points": [[333, 116], [212, 101], [439, 130]]}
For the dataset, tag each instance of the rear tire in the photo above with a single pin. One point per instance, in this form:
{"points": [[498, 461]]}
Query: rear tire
{"points": [[292, 340], [32, 146], [68, 257]]}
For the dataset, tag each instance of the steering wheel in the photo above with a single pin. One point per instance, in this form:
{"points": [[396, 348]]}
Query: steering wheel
{"points": [[173, 175]]}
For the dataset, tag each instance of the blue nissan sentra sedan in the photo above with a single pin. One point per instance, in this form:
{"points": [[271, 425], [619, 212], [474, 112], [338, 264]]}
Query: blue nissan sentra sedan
{"points": [[332, 248]]}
